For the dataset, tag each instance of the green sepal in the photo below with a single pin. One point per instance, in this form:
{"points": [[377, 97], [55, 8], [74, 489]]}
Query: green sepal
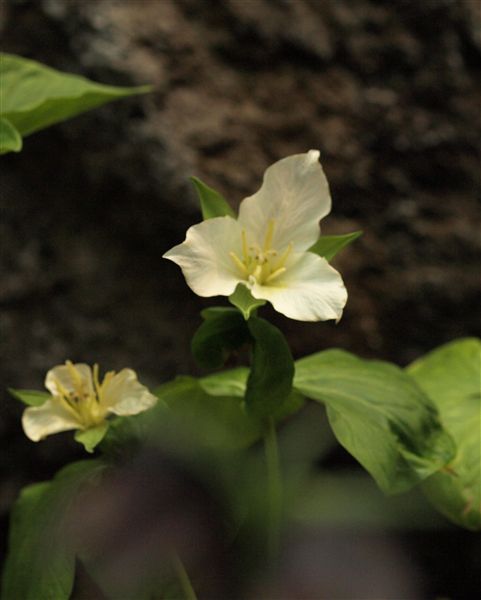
{"points": [[272, 370], [212, 203], [245, 301], [380, 415], [89, 438], [328, 246], [223, 331], [30, 397], [10, 138], [451, 377]]}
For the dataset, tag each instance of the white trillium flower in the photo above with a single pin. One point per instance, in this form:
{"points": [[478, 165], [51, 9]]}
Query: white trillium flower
{"points": [[80, 401], [266, 247]]}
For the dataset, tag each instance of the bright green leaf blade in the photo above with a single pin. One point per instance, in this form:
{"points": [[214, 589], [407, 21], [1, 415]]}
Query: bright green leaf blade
{"points": [[270, 380], [245, 301], [223, 331], [33, 96], [89, 438], [451, 377], [41, 561], [30, 397], [329, 245], [212, 203], [10, 138], [379, 415]]}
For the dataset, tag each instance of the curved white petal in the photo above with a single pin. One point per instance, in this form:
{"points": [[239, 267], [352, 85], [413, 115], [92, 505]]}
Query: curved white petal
{"points": [[68, 377], [204, 256], [295, 194], [50, 417], [309, 290], [124, 395]]}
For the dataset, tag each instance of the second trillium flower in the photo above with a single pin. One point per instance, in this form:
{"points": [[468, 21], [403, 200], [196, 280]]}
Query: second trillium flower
{"points": [[266, 247]]}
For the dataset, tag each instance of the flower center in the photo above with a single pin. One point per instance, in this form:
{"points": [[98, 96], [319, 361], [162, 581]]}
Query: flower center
{"points": [[81, 401], [261, 264]]}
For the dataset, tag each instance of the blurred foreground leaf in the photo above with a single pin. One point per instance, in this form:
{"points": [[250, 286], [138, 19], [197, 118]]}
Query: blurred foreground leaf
{"points": [[34, 96], [451, 376], [41, 560], [10, 139], [379, 415]]}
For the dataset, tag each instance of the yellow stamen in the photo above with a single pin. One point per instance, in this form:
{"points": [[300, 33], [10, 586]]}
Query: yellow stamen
{"points": [[275, 274], [238, 262], [285, 255]]}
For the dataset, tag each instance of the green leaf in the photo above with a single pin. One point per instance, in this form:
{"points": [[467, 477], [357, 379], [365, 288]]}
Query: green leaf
{"points": [[33, 96], [89, 438], [451, 377], [212, 420], [329, 245], [41, 559], [10, 139], [211, 202], [245, 301], [223, 331], [234, 383], [379, 415], [270, 380], [30, 397]]}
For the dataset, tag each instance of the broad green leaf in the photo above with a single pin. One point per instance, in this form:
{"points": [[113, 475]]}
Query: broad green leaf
{"points": [[329, 245], [41, 560], [222, 331], [270, 380], [212, 203], [30, 397], [89, 438], [234, 383], [245, 301], [451, 377], [213, 420], [33, 96], [226, 383], [352, 500], [10, 139], [379, 415]]}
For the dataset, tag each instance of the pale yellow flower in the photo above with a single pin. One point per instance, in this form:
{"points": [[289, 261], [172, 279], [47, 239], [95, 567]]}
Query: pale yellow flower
{"points": [[79, 400]]}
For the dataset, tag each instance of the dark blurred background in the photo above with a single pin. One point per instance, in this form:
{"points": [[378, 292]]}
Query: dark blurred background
{"points": [[388, 91]]}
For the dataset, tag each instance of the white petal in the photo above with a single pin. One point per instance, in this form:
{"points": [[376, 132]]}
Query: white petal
{"points": [[295, 194], [309, 290], [64, 377], [50, 417], [204, 256], [124, 395]]}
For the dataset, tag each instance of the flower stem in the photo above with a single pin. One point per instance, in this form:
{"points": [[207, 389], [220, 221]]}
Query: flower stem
{"points": [[183, 578], [274, 490]]}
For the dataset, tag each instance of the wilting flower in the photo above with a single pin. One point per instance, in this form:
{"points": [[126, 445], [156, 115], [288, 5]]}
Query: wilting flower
{"points": [[266, 247], [80, 401]]}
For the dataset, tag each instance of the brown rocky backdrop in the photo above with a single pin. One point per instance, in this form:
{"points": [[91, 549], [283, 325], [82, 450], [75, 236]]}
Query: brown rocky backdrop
{"points": [[388, 91]]}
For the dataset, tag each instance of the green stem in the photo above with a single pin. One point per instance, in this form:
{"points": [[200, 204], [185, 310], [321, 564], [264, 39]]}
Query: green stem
{"points": [[274, 490], [183, 578]]}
